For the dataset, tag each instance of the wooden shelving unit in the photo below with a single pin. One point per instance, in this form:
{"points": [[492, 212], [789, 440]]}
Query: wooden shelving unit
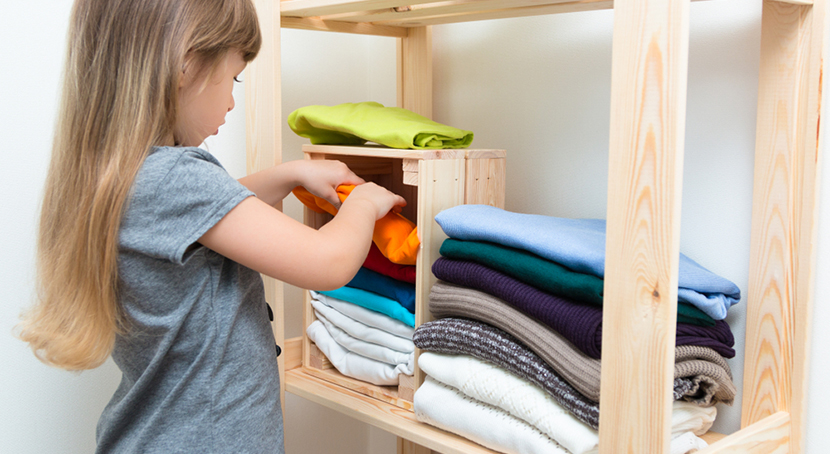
{"points": [[649, 71]]}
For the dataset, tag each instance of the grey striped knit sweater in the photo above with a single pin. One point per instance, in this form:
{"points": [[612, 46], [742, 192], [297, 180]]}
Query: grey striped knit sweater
{"points": [[708, 375], [470, 337]]}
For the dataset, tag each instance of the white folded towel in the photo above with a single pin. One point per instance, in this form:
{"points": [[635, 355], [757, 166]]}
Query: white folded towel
{"points": [[367, 349], [363, 332], [351, 364], [366, 316]]}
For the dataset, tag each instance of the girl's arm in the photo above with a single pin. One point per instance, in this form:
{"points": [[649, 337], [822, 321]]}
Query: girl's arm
{"points": [[320, 177], [262, 238]]}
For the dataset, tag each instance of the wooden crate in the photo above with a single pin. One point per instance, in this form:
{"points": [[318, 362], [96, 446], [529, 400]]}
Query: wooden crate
{"points": [[430, 181]]}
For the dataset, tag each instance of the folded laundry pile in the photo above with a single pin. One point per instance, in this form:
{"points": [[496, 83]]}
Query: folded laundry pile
{"points": [[359, 342], [365, 327], [518, 334]]}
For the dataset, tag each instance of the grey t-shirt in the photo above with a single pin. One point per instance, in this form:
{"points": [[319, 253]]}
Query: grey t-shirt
{"points": [[198, 362]]}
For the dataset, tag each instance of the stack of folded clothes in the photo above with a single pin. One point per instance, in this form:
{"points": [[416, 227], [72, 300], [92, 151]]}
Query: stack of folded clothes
{"points": [[519, 298], [365, 328]]}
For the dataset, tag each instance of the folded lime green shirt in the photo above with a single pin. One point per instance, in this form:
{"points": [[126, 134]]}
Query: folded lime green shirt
{"points": [[357, 123], [547, 275]]}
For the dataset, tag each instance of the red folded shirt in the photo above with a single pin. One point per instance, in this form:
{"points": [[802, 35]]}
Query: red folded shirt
{"points": [[376, 262]]}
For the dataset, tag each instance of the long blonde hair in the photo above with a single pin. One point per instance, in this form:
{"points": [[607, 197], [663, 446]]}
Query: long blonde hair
{"points": [[124, 62]]}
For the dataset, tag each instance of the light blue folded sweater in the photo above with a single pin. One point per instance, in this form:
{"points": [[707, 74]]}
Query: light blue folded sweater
{"points": [[578, 244]]}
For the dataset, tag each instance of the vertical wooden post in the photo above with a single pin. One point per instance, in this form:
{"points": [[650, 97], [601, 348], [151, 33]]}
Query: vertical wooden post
{"points": [[648, 103], [782, 255], [415, 93], [408, 447], [415, 71], [263, 138]]}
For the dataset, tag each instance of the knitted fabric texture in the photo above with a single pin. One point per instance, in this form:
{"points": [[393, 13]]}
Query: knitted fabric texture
{"points": [[495, 386], [577, 368], [357, 123], [546, 275], [377, 262], [441, 406], [469, 337], [395, 236], [578, 323], [578, 244]]}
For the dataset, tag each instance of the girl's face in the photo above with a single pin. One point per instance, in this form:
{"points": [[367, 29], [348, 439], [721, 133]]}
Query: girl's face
{"points": [[204, 103]]}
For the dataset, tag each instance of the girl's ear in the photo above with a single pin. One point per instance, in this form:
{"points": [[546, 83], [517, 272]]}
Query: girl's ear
{"points": [[188, 70], [183, 74]]}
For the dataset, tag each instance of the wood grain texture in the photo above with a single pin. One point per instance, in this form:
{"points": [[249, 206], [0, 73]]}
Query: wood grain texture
{"points": [[438, 9], [293, 352], [406, 387], [314, 220], [452, 18], [782, 257], [648, 99], [383, 152], [263, 138], [306, 8], [485, 182], [408, 447], [410, 178], [414, 71], [386, 417], [313, 23], [768, 436], [807, 204], [387, 394], [441, 186]]}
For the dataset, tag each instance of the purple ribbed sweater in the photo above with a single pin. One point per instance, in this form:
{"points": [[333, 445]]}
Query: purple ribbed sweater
{"points": [[580, 324]]}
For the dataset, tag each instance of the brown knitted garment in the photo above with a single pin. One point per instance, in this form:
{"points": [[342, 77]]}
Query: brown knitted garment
{"points": [[708, 377]]}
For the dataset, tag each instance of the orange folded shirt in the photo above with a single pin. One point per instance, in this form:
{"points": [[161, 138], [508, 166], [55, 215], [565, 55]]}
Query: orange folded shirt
{"points": [[395, 235]]}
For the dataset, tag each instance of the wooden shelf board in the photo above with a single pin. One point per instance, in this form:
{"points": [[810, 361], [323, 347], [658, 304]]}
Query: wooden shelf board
{"points": [[389, 417], [388, 394], [420, 12], [379, 414], [389, 18], [377, 151]]}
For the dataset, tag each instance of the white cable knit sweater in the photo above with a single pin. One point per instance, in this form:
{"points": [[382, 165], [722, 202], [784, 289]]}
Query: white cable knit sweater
{"points": [[505, 392]]}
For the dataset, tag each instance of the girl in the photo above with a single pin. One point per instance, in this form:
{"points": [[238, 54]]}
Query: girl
{"points": [[150, 251]]}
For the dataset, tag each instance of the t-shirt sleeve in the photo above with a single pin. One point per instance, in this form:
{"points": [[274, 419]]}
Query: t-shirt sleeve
{"points": [[177, 197]]}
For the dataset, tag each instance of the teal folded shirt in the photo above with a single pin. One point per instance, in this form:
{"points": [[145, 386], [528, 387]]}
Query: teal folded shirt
{"points": [[358, 123], [371, 281], [374, 302]]}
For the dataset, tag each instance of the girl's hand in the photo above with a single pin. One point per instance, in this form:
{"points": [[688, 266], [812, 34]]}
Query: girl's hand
{"points": [[382, 199], [321, 178]]}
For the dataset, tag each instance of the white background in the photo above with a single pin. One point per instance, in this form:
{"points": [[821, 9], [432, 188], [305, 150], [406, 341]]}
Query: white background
{"points": [[537, 87]]}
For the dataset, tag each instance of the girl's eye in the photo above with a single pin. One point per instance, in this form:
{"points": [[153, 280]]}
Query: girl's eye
{"points": [[236, 79]]}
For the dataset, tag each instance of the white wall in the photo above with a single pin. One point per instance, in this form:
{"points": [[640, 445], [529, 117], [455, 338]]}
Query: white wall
{"points": [[537, 87]]}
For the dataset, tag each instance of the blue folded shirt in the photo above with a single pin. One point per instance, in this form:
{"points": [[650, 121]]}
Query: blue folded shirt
{"points": [[402, 292], [578, 244]]}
